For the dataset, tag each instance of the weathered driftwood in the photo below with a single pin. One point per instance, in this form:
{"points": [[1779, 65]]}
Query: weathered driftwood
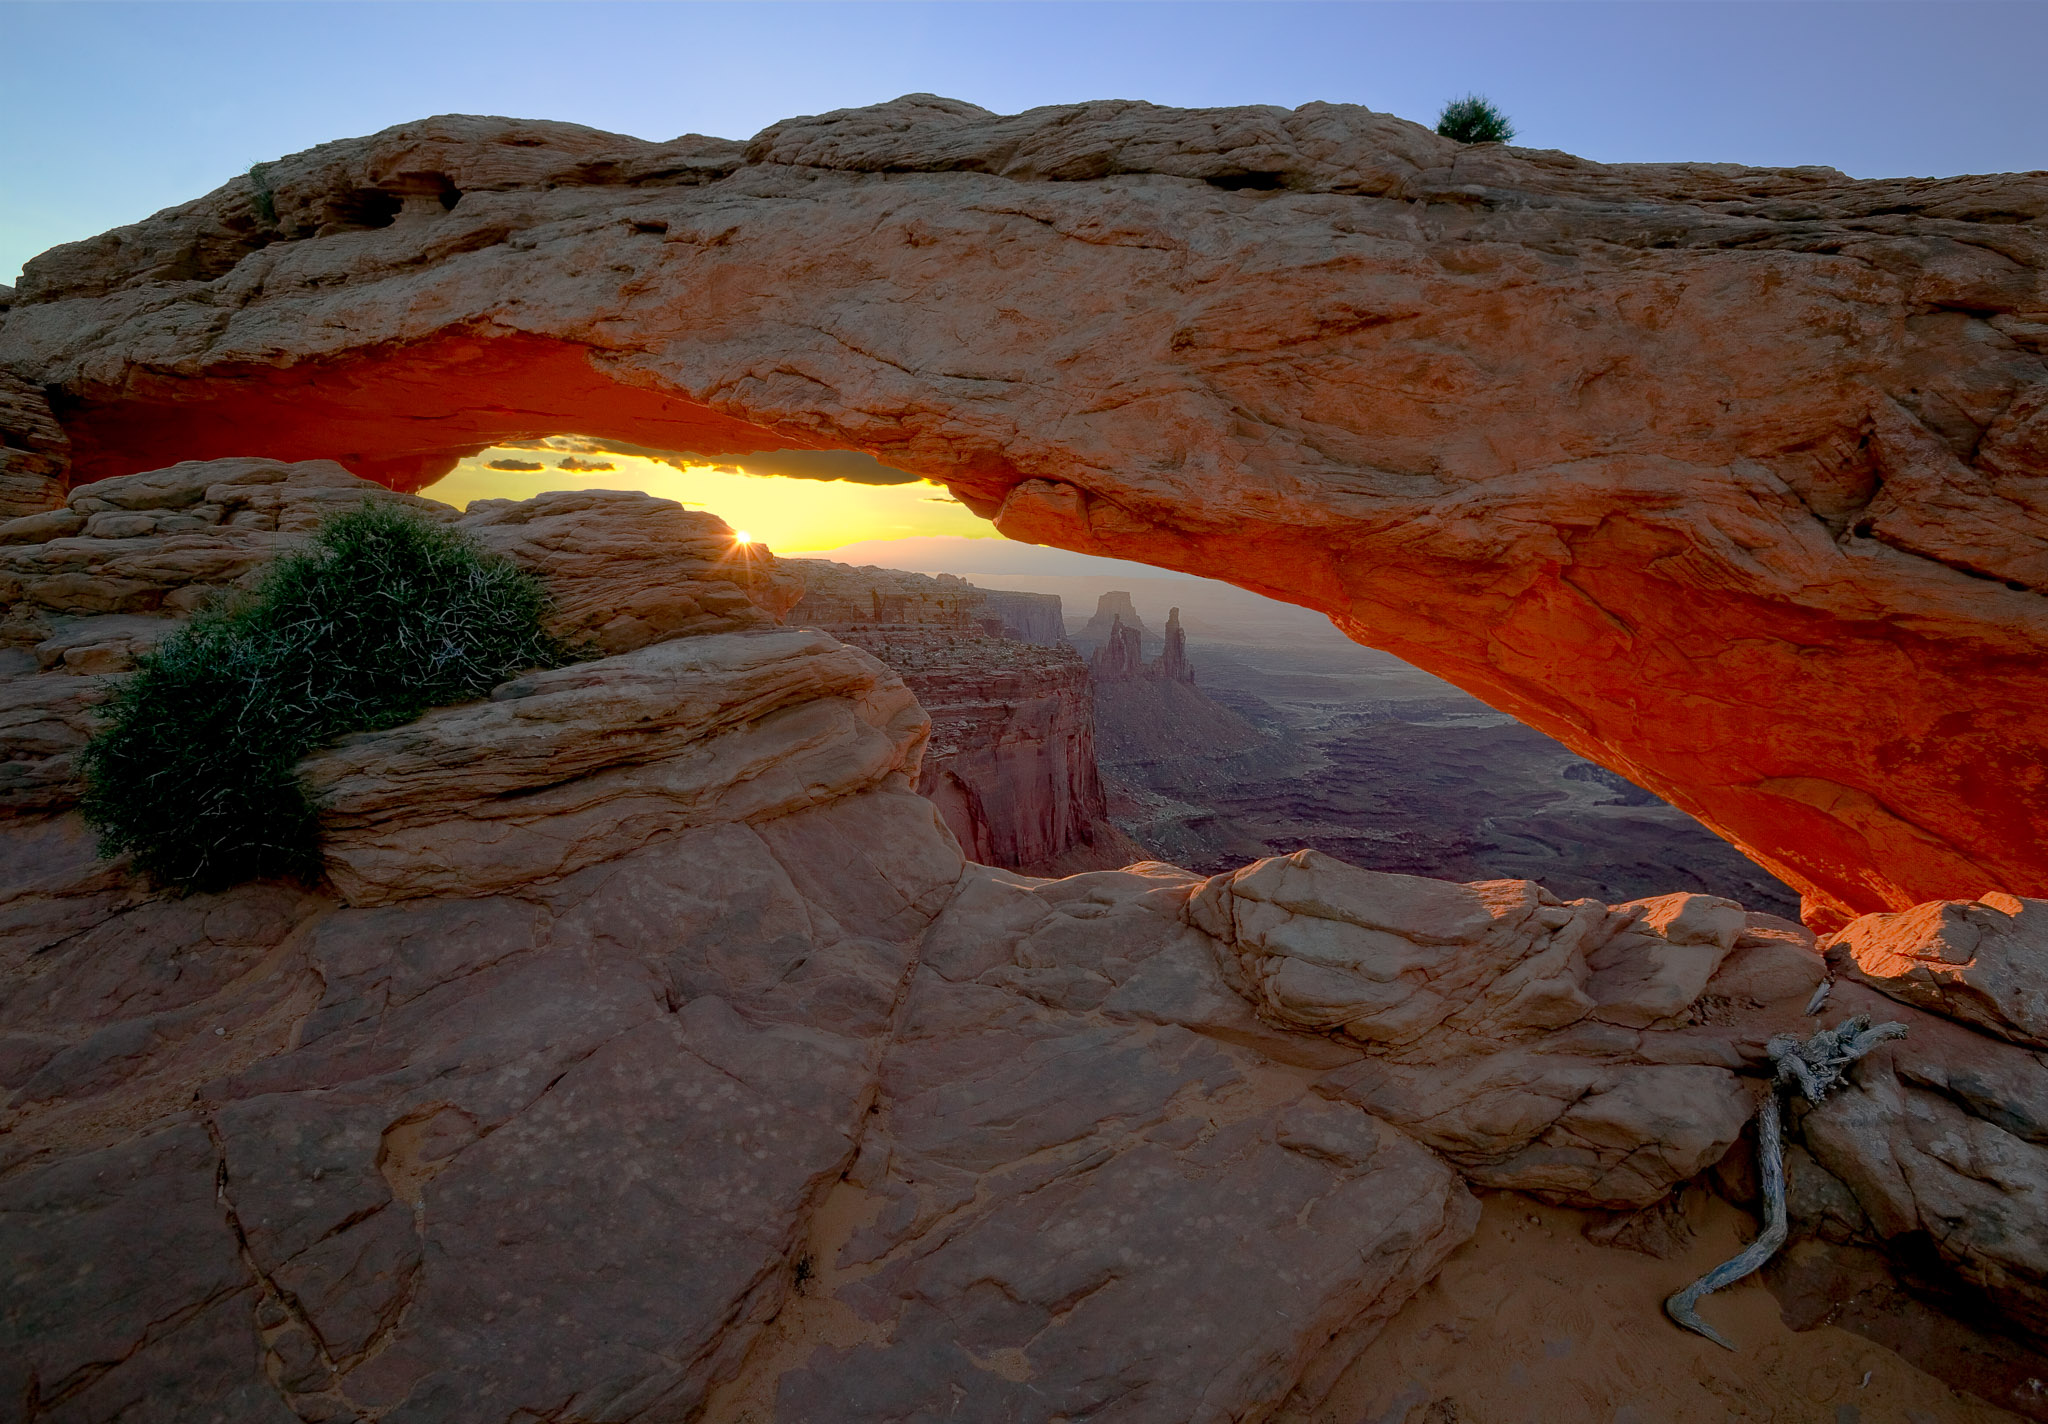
{"points": [[1813, 1069]]}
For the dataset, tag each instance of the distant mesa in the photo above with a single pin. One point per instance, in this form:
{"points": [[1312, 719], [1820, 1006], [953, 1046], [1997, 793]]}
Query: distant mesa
{"points": [[841, 597], [520, 465], [1110, 610], [991, 556], [1147, 712], [854, 466]]}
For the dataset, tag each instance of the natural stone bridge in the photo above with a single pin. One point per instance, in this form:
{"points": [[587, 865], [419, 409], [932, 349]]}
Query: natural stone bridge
{"points": [[1733, 479]]}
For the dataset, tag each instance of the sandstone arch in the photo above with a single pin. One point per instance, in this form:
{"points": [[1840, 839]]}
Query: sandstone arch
{"points": [[1734, 479]]}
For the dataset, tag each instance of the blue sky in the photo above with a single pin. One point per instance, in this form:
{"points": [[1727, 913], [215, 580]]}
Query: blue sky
{"points": [[109, 111]]}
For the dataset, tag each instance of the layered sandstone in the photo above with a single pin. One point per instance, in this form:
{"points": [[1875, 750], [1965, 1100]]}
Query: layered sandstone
{"points": [[1728, 478], [1011, 763], [87, 586], [34, 455], [91, 584], [609, 1007]]}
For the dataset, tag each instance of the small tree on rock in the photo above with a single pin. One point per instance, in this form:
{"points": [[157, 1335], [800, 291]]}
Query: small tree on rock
{"points": [[1474, 120]]}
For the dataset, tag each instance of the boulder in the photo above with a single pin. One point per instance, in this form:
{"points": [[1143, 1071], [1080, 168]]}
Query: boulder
{"points": [[1556, 1049], [565, 768], [1938, 1148], [1982, 961]]}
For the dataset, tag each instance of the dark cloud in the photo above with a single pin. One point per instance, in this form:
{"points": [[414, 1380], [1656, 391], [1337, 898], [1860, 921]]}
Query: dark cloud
{"points": [[577, 466], [850, 465], [515, 465]]}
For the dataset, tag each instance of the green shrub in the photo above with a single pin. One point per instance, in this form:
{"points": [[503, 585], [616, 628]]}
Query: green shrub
{"points": [[386, 615], [1473, 120], [262, 196]]}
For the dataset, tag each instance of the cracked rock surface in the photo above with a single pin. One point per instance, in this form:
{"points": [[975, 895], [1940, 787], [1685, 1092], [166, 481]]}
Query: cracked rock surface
{"points": [[651, 1051]]}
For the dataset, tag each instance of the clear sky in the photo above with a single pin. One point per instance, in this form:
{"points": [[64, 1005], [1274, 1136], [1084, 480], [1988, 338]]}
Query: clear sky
{"points": [[109, 111]]}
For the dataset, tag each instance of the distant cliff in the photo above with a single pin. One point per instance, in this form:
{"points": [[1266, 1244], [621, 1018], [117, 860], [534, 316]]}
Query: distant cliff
{"points": [[1028, 617], [843, 595], [1011, 764]]}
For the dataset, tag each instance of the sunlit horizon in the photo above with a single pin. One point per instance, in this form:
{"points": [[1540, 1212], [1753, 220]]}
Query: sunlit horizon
{"points": [[790, 516]]}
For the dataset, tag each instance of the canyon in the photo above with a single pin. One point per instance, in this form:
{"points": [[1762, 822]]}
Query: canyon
{"points": [[1293, 736]]}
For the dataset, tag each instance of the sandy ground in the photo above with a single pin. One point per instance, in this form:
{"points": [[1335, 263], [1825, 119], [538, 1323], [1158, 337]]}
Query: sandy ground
{"points": [[1529, 1321]]}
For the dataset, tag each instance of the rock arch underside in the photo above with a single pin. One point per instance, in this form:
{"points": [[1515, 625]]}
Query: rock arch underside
{"points": [[650, 1050], [1732, 479]]}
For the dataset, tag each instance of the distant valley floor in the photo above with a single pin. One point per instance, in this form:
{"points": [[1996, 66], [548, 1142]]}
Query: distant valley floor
{"points": [[1365, 758]]}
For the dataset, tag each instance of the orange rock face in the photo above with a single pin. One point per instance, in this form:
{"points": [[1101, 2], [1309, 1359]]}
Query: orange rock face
{"points": [[1733, 479]]}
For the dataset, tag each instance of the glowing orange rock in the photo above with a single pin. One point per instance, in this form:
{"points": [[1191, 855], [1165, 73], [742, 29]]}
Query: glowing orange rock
{"points": [[1734, 479]]}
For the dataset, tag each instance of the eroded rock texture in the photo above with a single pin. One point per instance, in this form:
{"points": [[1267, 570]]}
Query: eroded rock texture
{"points": [[651, 1051], [1011, 763], [90, 584], [1728, 478], [535, 1106], [34, 455], [86, 586]]}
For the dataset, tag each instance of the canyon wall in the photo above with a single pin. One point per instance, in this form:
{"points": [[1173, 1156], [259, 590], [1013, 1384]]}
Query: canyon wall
{"points": [[1011, 763], [1728, 478], [1028, 617], [34, 455]]}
